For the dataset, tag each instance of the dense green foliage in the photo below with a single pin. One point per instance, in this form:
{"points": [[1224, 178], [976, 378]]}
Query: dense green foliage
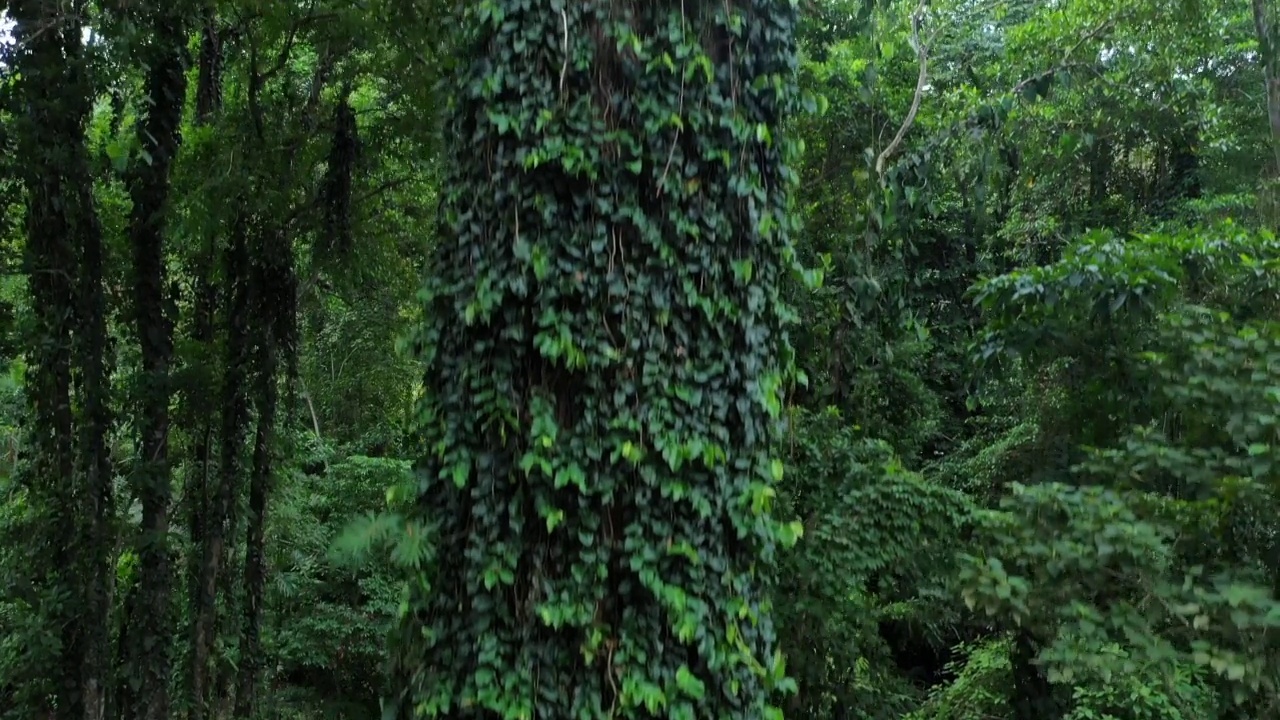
{"points": [[833, 359]]}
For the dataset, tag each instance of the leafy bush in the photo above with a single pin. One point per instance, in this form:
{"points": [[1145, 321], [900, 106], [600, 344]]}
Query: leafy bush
{"points": [[878, 548], [327, 620]]}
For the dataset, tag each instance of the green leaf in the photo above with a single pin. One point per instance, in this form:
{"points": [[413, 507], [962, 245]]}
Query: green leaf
{"points": [[689, 684]]}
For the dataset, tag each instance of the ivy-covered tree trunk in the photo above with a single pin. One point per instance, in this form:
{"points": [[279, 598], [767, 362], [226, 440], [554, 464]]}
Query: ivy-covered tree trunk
{"points": [[69, 476], [159, 133], [255, 563], [42, 135], [220, 521], [605, 351], [199, 406], [276, 292], [95, 542]]}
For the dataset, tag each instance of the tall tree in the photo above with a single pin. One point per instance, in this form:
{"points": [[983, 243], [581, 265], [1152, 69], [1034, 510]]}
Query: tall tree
{"points": [[198, 401], [70, 472], [605, 351], [159, 133]]}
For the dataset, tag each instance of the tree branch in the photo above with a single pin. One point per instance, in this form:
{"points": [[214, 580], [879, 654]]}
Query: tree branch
{"points": [[1065, 62], [923, 53]]}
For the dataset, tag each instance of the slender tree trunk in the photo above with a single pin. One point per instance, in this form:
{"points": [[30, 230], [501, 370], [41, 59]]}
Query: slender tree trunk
{"points": [[234, 417], [95, 460], [197, 490], [160, 134], [209, 73], [121, 703], [199, 403], [1100, 161], [255, 565], [1033, 695], [1269, 48]]}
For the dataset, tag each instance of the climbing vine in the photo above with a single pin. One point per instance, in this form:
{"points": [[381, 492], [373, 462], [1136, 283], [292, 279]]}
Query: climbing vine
{"points": [[605, 353]]}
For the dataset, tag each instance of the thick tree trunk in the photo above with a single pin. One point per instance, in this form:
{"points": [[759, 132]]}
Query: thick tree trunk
{"points": [[603, 344]]}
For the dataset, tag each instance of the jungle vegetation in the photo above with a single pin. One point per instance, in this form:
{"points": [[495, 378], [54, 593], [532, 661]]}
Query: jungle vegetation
{"points": [[691, 359]]}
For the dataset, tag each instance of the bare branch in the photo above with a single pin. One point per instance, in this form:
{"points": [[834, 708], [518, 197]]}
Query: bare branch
{"points": [[923, 79]]}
